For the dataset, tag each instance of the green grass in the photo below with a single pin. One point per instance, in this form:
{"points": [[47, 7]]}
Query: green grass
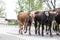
{"points": [[12, 23]]}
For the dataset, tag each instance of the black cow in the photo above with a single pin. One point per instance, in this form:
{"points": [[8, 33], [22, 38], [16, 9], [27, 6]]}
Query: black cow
{"points": [[42, 18], [57, 19]]}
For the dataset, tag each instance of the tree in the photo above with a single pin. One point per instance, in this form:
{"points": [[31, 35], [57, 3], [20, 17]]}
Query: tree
{"points": [[36, 4], [50, 3], [27, 5], [2, 8]]}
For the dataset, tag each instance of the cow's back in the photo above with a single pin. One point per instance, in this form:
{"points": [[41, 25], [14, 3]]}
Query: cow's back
{"points": [[22, 16]]}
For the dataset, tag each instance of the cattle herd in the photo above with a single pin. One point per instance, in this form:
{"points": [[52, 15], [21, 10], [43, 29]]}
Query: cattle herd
{"points": [[42, 19]]}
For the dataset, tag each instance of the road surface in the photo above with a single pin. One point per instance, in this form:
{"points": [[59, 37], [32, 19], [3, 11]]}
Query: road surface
{"points": [[11, 33]]}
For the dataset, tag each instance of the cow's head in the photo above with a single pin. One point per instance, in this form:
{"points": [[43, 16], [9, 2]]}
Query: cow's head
{"points": [[52, 14]]}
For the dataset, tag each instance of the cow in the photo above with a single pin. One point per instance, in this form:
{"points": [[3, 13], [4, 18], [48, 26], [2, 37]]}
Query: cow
{"points": [[24, 20], [57, 20], [43, 18]]}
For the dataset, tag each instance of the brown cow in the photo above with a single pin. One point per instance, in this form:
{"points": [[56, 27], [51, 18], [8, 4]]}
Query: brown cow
{"points": [[24, 20]]}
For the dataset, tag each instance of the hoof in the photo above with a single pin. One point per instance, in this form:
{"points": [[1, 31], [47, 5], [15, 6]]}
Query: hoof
{"points": [[42, 35], [25, 32], [21, 33], [57, 34], [38, 33], [51, 35], [35, 34], [47, 33]]}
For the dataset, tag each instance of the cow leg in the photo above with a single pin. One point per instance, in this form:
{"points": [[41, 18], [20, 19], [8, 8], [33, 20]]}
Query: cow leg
{"points": [[20, 30], [54, 26], [50, 30], [20, 27], [29, 30], [29, 24], [39, 29], [35, 27], [57, 30], [42, 29], [47, 29], [35, 30], [25, 28]]}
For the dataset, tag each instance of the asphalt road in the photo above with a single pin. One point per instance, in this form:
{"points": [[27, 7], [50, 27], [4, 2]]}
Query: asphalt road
{"points": [[11, 33]]}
